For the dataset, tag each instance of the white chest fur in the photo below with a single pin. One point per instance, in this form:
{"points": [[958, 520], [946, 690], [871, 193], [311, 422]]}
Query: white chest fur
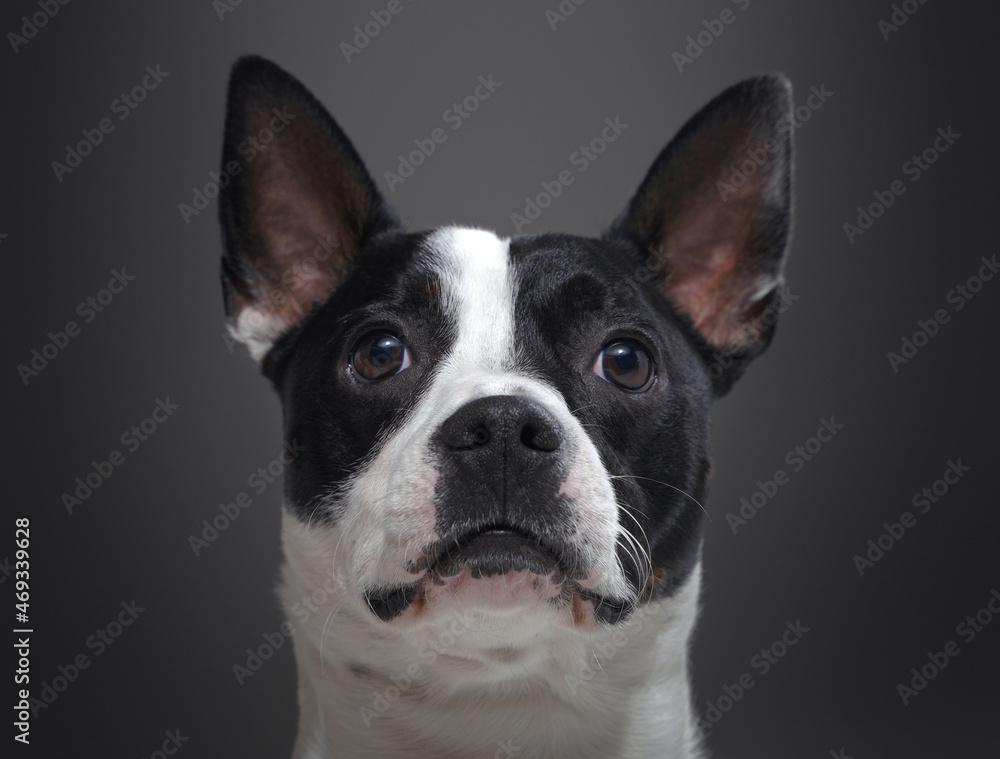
{"points": [[476, 685]]}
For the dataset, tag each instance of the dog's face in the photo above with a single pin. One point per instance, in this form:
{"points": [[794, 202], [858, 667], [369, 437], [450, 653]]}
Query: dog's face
{"points": [[517, 427]]}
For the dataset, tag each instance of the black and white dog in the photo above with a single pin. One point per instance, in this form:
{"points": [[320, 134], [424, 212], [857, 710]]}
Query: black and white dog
{"points": [[504, 442]]}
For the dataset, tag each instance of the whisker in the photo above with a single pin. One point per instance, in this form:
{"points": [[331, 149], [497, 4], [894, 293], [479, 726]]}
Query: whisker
{"points": [[322, 637], [666, 484]]}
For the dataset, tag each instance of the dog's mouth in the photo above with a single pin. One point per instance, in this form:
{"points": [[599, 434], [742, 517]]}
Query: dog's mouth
{"points": [[494, 550], [502, 552]]}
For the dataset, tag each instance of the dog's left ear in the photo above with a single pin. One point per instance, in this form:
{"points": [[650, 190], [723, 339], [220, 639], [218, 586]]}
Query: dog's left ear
{"points": [[713, 214], [298, 206]]}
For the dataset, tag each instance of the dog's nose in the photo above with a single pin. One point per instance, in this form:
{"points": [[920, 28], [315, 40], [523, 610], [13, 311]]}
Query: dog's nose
{"points": [[502, 430], [502, 461]]}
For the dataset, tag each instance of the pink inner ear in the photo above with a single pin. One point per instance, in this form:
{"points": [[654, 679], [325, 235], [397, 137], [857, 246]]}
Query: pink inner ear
{"points": [[303, 270], [714, 295], [301, 194], [711, 273]]}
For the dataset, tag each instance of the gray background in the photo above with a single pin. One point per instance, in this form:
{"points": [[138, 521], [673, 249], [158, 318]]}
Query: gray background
{"points": [[172, 668]]}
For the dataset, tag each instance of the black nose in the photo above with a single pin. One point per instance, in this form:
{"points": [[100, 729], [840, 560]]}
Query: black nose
{"points": [[498, 453], [502, 429]]}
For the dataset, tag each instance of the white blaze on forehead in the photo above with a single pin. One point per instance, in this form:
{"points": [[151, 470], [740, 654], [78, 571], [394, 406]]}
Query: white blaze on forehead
{"points": [[478, 292]]}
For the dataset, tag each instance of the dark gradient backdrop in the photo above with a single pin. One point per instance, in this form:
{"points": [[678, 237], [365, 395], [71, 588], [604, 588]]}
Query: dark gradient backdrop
{"points": [[161, 338]]}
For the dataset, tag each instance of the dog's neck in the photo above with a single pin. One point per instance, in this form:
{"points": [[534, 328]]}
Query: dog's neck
{"points": [[471, 684]]}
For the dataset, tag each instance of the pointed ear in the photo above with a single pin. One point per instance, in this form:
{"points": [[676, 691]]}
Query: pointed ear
{"points": [[298, 206], [714, 213]]}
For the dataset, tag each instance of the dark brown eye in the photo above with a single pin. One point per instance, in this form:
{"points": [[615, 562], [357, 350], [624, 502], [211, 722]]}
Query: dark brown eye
{"points": [[627, 364], [378, 355]]}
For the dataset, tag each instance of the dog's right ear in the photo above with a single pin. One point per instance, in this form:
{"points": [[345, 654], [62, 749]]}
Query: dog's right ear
{"points": [[718, 247], [297, 209]]}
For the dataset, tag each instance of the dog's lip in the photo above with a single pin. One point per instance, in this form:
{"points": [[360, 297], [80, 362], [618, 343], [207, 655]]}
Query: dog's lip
{"points": [[497, 533], [449, 557]]}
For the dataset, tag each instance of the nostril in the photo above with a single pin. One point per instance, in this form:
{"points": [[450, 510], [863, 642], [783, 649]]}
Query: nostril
{"points": [[480, 436], [539, 439], [528, 432], [494, 426]]}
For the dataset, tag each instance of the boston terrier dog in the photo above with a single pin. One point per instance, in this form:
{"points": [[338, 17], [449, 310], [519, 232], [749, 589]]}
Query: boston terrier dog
{"points": [[493, 524]]}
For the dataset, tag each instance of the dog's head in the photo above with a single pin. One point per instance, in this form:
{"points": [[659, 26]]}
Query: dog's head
{"points": [[516, 426]]}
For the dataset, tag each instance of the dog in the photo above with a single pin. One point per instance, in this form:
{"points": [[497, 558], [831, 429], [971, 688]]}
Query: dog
{"points": [[493, 525]]}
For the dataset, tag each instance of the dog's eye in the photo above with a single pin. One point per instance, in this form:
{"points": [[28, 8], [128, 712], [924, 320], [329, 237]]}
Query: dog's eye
{"points": [[378, 355], [627, 364]]}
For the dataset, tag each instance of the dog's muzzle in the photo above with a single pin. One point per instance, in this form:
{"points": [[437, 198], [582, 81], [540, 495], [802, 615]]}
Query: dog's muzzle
{"points": [[502, 461]]}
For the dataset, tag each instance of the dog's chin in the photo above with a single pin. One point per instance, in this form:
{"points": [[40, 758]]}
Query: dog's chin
{"points": [[495, 571]]}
